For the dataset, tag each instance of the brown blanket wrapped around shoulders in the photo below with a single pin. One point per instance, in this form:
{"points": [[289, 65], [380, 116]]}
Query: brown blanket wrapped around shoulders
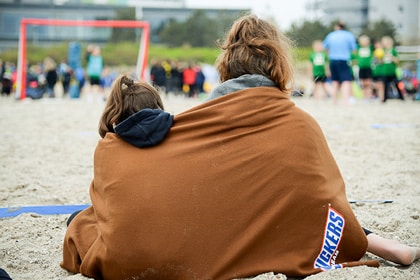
{"points": [[242, 185]]}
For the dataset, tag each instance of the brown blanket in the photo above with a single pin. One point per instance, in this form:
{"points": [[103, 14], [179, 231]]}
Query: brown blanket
{"points": [[242, 185]]}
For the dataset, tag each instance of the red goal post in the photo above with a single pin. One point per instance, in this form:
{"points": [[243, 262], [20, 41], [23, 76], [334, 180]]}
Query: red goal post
{"points": [[141, 59]]}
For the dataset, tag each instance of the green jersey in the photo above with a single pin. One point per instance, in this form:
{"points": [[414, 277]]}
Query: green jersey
{"points": [[364, 57], [318, 60], [389, 67]]}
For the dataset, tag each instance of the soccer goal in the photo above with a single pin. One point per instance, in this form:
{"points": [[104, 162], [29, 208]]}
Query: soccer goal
{"points": [[22, 61]]}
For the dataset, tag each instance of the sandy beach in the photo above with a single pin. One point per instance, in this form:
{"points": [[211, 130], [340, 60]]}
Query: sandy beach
{"points": [[46, 151]]}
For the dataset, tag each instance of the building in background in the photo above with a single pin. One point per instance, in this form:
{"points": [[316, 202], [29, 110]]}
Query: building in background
{"points": [[155, 12], [404, 14]]}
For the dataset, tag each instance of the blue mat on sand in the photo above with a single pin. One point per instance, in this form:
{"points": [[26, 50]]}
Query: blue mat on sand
{"points": [[392, 125], [41, 210]]}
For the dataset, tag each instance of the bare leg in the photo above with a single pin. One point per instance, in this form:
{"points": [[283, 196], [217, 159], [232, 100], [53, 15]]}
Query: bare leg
{"points": [[346, 91], [334, 91], [319, 91], [324, 90], [316, 91], [366, 88], [392, 250], [380, 88]]}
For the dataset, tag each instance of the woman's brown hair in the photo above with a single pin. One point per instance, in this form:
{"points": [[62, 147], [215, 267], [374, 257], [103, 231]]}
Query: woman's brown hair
{"points": [[255, 46], [126, 98]]}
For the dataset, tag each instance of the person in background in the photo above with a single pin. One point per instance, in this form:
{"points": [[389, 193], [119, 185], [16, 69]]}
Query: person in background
{"points": [[158, 75], [174, 78], [51, 75], [65, 73], [200, 79], [35, 82], [2, 71], [6, 78], [364, 57], [79, 75], [418, 71], [390, 61], [340, 44], [107, 79], [189, 76], [94, 71], [88, 53], [417, 95], [318, 60], [377, 73], [176, 74]]}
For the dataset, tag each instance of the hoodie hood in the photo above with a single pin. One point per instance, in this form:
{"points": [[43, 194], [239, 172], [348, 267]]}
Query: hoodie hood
{"points": [[147, 127], [240, 83]]}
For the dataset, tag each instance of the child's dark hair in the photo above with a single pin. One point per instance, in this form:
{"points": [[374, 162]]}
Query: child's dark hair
{"points": [[126, 98]]}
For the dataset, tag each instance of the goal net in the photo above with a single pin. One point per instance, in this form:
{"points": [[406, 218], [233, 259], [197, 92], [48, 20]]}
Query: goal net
{"points": [[22, 55]]}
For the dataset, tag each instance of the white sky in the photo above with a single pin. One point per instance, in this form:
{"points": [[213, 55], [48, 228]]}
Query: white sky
{"points": [[284, 11]]}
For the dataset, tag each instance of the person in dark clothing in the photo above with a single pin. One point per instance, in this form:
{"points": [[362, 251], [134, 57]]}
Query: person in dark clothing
{"points": [[199, 80], [6, 78], [51, 75], [158, 76], [174, 79], [65, 75]]}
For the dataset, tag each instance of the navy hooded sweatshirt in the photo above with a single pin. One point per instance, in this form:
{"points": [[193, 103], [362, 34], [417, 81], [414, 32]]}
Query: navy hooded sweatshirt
{"points": [[147, 127]]}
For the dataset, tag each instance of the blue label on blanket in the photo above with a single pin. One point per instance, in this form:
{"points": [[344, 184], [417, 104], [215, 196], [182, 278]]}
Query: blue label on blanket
{"points": [[332, 237]]}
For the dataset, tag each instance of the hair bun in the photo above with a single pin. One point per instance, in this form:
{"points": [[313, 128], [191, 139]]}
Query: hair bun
{"points": [[126, 82]]}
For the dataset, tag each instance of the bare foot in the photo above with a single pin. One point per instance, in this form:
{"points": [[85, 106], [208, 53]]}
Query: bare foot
{"points": [[392, 250], [403, 254]]}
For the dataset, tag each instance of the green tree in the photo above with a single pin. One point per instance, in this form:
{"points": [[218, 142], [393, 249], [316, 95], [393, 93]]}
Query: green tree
{"points": [[223, 24], [172, 33], [376, 30], [304, 33], [199, 30], [124, 34]]}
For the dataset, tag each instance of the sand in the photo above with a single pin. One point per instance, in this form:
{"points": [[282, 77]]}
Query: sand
{"points": [[46, 151]]}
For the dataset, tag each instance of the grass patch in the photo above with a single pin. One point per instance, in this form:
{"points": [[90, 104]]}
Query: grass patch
{"points": [[125, 53]]}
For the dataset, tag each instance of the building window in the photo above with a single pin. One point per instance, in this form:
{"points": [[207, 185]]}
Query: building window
{"points": [[9, 24]]}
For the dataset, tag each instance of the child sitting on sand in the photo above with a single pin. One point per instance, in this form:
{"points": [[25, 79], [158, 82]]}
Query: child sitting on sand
{"points": [[134, 111], [131, 104]]}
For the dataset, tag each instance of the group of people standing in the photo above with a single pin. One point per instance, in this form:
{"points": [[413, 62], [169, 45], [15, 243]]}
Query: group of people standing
{"points": [[378, 68], [172, 77], [43, 77], [335, 56]]}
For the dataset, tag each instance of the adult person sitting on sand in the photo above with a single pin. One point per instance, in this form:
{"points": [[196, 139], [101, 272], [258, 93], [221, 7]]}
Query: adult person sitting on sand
{"points": [[242, 184]]}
